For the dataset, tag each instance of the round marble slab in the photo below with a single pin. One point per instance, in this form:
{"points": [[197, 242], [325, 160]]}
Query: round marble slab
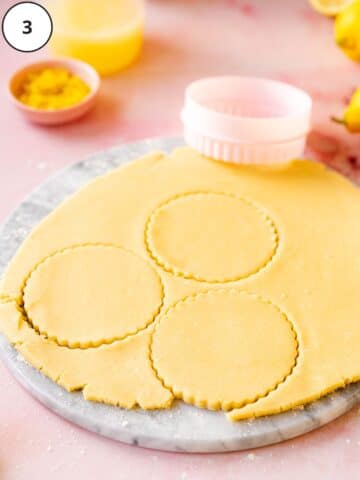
{"points": [[182, 428]]}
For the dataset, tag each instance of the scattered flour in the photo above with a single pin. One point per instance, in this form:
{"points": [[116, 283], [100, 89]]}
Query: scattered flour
{"points": [[20, 358]]}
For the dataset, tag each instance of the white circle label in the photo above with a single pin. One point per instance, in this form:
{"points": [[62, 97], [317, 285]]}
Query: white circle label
{"points": [[27, 26]]}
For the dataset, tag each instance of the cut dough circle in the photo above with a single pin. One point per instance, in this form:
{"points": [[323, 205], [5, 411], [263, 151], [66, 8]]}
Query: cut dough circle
{"points": [[89, 295], [213, 349], [185, 237]]}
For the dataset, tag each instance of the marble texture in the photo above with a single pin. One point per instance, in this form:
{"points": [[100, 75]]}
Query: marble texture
{"points": [[183, 428]]}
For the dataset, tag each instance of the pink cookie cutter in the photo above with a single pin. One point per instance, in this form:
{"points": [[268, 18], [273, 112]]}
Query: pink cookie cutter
{"points": [[246, 119]]}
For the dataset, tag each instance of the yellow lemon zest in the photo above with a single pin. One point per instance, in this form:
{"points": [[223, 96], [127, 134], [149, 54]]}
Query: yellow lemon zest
{"points": [[52, 89]]}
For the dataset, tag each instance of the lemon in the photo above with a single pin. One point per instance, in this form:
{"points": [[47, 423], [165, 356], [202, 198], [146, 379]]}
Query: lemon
{"points": [[352, 113], [347, 31], [330, 7], [351, 118]]}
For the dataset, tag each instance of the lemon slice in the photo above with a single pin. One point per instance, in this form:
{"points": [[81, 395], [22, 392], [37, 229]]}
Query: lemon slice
{"points": [[330, 7]]}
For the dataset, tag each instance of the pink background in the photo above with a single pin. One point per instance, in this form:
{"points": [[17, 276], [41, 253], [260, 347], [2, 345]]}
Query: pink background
{"points": [[185, 40]]}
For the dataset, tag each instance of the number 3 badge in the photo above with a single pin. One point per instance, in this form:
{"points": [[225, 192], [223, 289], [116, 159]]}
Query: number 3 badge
{"points": [[27, 26]]}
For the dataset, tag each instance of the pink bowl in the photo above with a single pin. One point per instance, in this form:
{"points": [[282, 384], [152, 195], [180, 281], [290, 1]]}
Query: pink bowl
{"points": [[64, 115]]}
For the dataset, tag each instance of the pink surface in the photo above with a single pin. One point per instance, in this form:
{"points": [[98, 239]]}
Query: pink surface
{"points": [[186, 40]]}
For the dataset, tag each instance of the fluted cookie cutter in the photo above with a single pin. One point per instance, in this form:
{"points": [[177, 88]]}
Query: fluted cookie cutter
{"points": [[246, 119]]}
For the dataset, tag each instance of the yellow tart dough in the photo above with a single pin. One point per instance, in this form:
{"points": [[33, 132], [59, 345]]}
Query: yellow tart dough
{"points": [[107, 279], [182, 218], [249, 271], [227, 336], [119, 374]]}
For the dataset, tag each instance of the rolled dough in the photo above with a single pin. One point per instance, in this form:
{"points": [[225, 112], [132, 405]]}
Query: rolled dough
{"points": [[231, 287]]}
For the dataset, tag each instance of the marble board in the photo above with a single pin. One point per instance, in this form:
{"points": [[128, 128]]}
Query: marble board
{"points": [[183, 428]]}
